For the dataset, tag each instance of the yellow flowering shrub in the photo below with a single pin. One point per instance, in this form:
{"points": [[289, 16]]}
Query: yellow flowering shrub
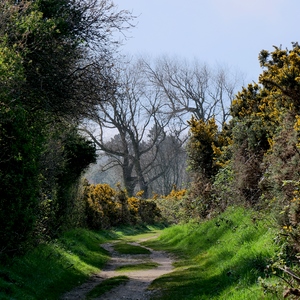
{"points": [[106, 207], [103, 208], [143, 211], [139, 194], [265, 162], [176, 194], [133, 208], [207, 146]]}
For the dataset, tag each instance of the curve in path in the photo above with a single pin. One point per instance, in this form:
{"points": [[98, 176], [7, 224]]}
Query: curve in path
{"points": [[139, 280]]}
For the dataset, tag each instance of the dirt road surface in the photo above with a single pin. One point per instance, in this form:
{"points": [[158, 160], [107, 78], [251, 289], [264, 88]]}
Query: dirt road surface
{"points": [[136, 287]]}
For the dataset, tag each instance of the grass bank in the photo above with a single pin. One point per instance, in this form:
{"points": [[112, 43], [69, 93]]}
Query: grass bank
{"points": [[56, 267], [218, 259], [53, 268]]}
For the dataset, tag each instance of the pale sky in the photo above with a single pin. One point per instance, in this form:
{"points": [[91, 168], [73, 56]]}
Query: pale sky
{"points": [[226, 32]]}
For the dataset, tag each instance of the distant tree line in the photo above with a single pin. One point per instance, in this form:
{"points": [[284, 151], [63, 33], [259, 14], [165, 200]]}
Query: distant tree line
{"points": [[142, 129]]}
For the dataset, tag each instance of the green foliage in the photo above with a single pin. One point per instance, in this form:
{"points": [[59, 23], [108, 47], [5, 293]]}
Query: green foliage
{"points": [[106, 207], [45, 34], [20, 143], [79, 153], [54, 268], [106, 285], [171, 206], [218, 259], [125, 248], [61, 205], [48, 80], [223, 190], [39, 43]]}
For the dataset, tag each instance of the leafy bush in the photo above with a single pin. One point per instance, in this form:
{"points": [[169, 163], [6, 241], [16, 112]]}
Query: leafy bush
{"points": [[103, 208], [204, 146], [171, 206], [106, 207]]}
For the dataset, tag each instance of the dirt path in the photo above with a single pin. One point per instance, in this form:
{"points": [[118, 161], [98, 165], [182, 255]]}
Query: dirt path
{"points": [[136, 287]]}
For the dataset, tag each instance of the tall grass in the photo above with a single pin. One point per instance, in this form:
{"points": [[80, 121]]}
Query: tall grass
{"points": [[218, 259]]}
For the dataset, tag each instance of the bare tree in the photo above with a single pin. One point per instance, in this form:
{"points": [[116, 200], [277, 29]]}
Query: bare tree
{"points": [[122, 124], [193, 88], [170, 162], [142, 123]]}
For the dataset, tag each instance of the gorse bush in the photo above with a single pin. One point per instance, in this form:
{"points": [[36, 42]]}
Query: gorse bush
{"points": [[204, 146], [103, 208], [107, 207], [172, 205], [209, 151], [176, 194], [262, 155]]}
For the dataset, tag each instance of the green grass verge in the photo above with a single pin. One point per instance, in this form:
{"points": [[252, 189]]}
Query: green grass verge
{"points": [[105, 286], [124, 248], [54, 268], [141, 232], [137, 230], [217, 259], [136, 267]]}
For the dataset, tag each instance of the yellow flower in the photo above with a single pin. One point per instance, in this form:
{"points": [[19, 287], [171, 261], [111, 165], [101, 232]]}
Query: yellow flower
{"points": [[287, 228]]}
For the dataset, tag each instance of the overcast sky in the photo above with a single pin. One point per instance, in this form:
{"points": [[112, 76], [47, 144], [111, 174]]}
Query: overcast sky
{"points": [[226, 32]]}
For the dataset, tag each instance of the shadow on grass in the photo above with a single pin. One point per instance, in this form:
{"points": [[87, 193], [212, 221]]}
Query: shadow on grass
{"points": [[54, 268], [195, 282], [215, 258], [139, 229]]}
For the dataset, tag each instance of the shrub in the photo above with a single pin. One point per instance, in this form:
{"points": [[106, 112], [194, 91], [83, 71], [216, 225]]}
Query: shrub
{"points": [[103, 208], [107, 207]]}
